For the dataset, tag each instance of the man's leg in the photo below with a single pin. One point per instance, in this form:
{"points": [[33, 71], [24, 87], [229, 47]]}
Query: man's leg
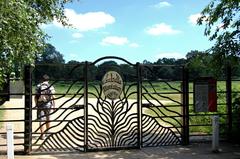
{"points": [[47, 115], [47, 121], [40, 114]]}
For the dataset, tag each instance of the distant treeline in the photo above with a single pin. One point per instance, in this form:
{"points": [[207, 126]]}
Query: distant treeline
{"points": [[198, 64]]}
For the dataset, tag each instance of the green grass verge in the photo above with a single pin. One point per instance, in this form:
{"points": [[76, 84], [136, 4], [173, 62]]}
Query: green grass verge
{"points": [[63, 87]]}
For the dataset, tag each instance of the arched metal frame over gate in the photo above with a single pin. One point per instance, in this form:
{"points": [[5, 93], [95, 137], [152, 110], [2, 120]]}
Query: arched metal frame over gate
{"points": [[85, 120]]}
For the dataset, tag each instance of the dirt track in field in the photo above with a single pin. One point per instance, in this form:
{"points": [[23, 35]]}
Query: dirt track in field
{"points": [[18, 114]]}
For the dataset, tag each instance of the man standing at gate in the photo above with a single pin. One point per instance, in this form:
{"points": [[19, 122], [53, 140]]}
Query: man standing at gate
{"points": [[44, 100]]}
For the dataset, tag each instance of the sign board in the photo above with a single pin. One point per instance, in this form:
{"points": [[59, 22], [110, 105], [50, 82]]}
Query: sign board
{"points": [[17, 89], [205, 95], [112, 85]]}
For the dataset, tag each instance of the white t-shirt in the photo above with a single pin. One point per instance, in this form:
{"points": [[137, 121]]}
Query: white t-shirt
{"points": [[45, 85]]}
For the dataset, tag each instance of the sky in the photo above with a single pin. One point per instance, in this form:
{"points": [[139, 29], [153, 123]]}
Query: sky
{"points": [[135, 30]]}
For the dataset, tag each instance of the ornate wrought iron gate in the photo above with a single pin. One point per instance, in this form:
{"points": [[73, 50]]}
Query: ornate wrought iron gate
{"points": [[164, 106], [112, 123], [87, 119]]}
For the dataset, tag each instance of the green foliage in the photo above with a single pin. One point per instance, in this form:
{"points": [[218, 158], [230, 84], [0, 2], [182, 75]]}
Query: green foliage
{"points": [[20, 32], [106, 66], [52, 60], [50, 56], [205, 64], [198, 63], [222, 23]]}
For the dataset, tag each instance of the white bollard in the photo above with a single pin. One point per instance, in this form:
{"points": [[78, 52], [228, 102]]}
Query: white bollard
{"points": [[10, 145], [215, 133]]}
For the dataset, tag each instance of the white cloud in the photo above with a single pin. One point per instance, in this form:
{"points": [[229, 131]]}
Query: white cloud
{"points": [[77, 35], [114, 40], [87, 21], [162, 4], [175, 55], [192, 19], [162, 29], [134, 45]]}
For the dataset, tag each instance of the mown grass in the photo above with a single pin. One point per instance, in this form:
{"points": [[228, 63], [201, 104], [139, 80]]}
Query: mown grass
{"points": [[168, 92]]}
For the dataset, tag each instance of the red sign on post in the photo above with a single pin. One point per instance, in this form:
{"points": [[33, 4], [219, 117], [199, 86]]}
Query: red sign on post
{"points": [[205, 95]]}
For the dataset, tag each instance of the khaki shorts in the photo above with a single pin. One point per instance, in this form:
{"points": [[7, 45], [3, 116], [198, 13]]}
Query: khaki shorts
{"points": [[43, 111]]}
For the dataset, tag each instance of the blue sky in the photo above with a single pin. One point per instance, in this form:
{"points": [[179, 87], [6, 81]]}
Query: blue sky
{"points": [[136, 30]]}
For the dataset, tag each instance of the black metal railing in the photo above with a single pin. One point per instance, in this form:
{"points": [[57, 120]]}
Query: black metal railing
{"points": [[153, 110]]}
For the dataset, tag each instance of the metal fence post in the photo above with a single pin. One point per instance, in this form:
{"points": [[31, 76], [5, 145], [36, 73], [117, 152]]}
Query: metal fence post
{"points": [[229, 100], [139, 101], [86, 107], [28, 110], [185, 98]]}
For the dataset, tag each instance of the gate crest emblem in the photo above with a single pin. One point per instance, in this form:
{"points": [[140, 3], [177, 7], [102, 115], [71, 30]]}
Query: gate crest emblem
{"points": [[112, 85]]}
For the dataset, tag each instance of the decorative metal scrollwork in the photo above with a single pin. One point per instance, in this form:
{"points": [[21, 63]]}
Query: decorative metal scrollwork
{"points": [[161, 122], [112, 123]]}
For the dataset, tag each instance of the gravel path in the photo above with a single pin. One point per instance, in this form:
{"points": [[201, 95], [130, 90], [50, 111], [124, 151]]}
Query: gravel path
{"points": [[18, 114]]}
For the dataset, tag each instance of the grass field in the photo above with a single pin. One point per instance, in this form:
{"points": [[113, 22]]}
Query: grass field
{"points": [[169, 90], [62, 87]]}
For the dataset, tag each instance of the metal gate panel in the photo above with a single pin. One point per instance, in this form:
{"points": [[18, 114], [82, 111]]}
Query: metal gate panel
{"points": [[150, 111], [112, 124], [66, 132], [162, 118]]}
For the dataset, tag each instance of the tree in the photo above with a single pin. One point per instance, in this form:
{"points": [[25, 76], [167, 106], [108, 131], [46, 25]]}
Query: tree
{"points": [[52, 61], [204, 64], [166, 61], [106, 66], [50, 56], [198, 63], [146, 62], [128, 72], [20, 30], [74, 69], [222, 23]]}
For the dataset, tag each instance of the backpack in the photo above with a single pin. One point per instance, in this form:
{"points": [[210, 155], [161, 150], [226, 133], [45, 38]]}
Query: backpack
{"points": [[44, 93]]}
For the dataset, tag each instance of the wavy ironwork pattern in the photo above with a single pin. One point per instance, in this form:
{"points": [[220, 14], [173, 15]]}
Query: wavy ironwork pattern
{"points": [[155, 134], [113, 123], [70, 138], [66, 132], [161, 113]]}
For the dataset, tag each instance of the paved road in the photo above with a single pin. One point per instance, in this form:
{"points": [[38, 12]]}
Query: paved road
{"points": [[196, 151]]}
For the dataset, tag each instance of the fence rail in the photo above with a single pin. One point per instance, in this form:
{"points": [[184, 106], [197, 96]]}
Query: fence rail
{"points": [[184, 126]]}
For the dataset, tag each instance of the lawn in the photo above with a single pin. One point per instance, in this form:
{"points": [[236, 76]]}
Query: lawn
{"points": [[93, 87], [159, 91], [155, 90]]}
